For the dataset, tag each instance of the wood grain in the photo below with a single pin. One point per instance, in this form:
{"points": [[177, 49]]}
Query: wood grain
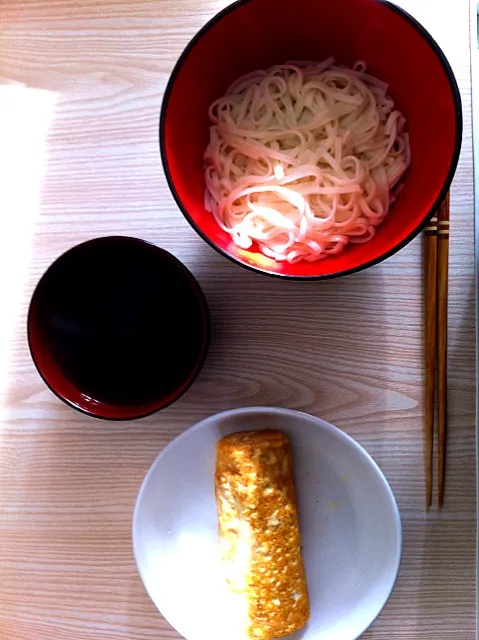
{"points": [[81, 86]]}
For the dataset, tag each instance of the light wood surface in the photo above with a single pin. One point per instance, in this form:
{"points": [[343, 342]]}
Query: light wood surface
{"points": [[81, 87]]}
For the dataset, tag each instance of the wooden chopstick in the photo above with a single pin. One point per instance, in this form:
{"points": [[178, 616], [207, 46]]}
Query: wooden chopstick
{"points": [[442, 289], [430, 313], [436, 258]]}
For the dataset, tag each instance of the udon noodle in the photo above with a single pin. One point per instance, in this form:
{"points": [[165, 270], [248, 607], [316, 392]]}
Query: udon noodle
{"points": [[304, 158]]}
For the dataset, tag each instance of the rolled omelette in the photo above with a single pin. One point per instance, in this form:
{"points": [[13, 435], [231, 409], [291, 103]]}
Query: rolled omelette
{"points": [[259, 532]]}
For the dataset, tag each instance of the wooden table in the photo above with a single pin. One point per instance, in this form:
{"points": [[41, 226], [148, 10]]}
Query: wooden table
{"points": [[81, 88]]}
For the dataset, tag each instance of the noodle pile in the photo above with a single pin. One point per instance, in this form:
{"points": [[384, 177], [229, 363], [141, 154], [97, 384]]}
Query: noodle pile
{"points": [[303, 159]]}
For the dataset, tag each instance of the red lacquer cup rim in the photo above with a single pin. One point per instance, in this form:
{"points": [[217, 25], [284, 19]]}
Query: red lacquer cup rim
{"points": [[456, 97]]}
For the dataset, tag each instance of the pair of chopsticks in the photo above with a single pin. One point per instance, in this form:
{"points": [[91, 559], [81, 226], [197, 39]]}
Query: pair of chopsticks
{"points": [[436, 258]]}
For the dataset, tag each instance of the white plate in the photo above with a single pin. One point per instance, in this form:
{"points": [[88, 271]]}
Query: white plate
{"points": [[350, 527]]}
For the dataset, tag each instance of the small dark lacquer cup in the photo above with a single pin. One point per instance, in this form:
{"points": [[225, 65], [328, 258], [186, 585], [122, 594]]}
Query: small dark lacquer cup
{"points": [[118, 328]]}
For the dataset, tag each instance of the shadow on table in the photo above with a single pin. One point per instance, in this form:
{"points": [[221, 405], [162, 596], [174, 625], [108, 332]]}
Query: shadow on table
{"points": [[439, 552], [295, 344]]}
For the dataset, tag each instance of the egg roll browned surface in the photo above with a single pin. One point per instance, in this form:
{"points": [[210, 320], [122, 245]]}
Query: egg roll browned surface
{"points": [[259, 531]]}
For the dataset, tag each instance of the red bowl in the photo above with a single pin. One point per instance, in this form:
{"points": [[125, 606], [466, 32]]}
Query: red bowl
{"points": [[118, 328], [255, 34]]}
